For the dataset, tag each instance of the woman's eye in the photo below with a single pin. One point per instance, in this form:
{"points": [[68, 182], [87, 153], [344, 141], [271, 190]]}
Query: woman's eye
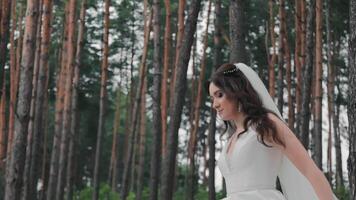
{"points": [[219, 94]]}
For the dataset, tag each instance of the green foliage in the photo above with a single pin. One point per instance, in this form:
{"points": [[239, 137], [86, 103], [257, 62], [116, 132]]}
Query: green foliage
{"points": [[105, 193], [342, 193]]}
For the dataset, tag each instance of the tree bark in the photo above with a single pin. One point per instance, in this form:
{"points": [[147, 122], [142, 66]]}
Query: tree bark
{"points": [[63, 156], [351, 106], [142, 142], [166, 64], [330, 88], [191, 187], [134, 116], [217, 59], [59, 106], [281, 53], [271, 73], [237, 32], [15, 170], [179, 40], [28, 190], [318, 87], [156, 103], [103, 94], [4, 32], [74, 108], [298, 59], [178, 100], [307, 76]]}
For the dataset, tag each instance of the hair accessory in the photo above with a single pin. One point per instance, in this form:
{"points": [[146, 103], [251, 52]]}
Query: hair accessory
{"points": [[230, 71]]}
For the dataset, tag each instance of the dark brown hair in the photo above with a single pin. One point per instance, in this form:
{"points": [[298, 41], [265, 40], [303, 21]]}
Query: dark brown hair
{"points": [[237, 87]]}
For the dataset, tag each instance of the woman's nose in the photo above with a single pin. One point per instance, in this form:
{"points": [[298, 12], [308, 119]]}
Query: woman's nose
{"points": [[215, 105]]}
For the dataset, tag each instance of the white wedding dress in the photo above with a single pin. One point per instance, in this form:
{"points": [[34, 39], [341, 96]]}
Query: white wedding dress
{"points": [[250, 169]]}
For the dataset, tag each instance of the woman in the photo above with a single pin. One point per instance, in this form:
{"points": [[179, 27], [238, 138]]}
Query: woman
{"points": [[261, 146]]}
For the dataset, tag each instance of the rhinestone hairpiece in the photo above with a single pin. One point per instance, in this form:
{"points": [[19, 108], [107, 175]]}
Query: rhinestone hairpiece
{"points": [[230, 71]]}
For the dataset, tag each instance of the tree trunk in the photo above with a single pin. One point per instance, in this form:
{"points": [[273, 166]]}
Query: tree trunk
{"points": [[29, 190], [13, 75], [14, 88], [237, 32], [178, 100], [166, 64], [297, 59], [194, 131], [3, 134], [156, 103], [271, 74], [330, 88], [142, 142], [307, 76], [318, 87], [287, 57], [67, 101], [351, 108], [281, 53], [217, 59], [59, 106], [134, 116], [74, 109], [4, 31], [339, 178], [15, 170], [103, 94], [179, 40]]}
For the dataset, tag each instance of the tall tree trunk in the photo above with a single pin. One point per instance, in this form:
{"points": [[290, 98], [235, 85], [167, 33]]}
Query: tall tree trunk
{"points": [[32, 139], [179, 40], [166, 64], [351, 112], [156, 109], [298, 59], [330, 88], [237, 32], [14, 89], [194, 132], [339, 178], [74, 108], [318, 87], [4, 31], [178, 100], [307, 76], [142, 142], [217, 59], [271, 74], [103, 94], [281, 53], [135, 107], [287, 57], [114, 149], [3, 134], [59, 107], [13, 74], [67, 101], [15, 170]]}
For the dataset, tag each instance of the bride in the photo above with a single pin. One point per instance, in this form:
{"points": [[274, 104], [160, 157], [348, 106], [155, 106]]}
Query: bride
{"points": [[262, 147]]}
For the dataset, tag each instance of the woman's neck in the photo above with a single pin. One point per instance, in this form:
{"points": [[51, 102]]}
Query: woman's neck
{"points": [[239, 120]]}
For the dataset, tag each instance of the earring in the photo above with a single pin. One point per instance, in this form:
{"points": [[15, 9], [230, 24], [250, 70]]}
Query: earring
{"points": [[239, 107]]}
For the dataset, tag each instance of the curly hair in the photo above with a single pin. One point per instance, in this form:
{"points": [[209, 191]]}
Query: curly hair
{"points": [[238, 88]]}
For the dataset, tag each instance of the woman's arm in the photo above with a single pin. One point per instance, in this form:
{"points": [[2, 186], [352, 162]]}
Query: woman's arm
{"points": [[297, 154]]}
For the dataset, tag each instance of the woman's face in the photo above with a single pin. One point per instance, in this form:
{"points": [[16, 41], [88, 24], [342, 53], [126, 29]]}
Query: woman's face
{"points": [[226, 108]]}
